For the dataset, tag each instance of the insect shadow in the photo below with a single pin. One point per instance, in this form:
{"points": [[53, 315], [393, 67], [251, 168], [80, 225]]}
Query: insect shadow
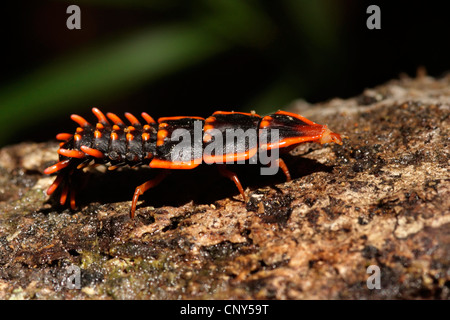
{"points": [[202, 185]]}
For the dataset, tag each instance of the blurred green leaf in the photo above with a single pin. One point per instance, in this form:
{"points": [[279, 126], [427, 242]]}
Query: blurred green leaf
{"points": [[112, 67], [209, 28], [242, 22]]}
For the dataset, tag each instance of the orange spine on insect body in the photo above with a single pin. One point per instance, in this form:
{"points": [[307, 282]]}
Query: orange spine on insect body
{"points": [[113, 143]]}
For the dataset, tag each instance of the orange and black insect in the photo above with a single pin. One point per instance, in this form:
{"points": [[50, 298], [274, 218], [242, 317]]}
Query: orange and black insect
{"points": [[113, 143]]}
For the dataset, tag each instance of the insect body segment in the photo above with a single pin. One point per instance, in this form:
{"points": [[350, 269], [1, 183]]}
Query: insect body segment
{"points": [[224, 137], [234, 132], [173, 131]]}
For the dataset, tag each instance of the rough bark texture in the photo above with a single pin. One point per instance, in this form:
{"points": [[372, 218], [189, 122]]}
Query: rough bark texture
{"points": [[381, 199]]}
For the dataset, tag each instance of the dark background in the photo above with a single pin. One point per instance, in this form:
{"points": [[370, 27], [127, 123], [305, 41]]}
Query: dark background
{"points": [[193, 58]]}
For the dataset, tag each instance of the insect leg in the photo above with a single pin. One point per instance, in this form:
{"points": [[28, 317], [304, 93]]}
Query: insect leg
{"points": [[282, 165], [64, 136], [144, 187], [72, 200], [55, 183], [233, 177], [64, 193]]}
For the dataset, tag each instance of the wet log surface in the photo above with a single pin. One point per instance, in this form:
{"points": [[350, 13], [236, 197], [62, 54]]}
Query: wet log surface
{"points": [[381, 199]]}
